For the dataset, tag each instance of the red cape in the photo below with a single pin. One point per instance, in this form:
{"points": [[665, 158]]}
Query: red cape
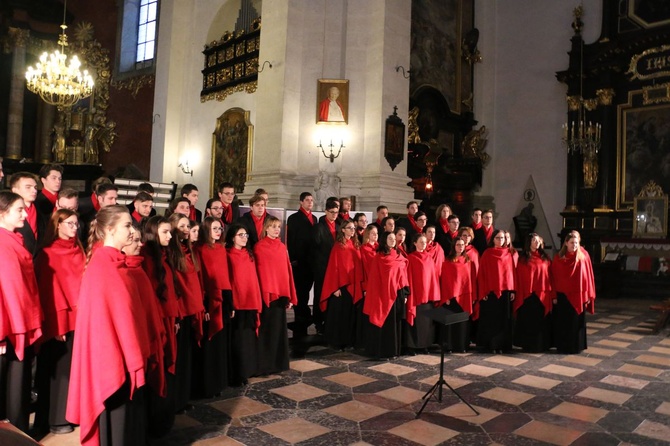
{"points": [[387, 275], [191, 297], [437, 253], [246, 290], [169, 306], [275, 275], [368, 252], [323, 109], [423, 282], [496, 272], [20, 310], [472, 252], [154, 323], [344, 270], [533, 277], [107, 347], [458, 282], [60, 268], [575, 280], [214, 266]]}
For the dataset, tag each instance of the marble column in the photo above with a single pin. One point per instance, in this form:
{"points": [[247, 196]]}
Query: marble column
{"points": [[608, 149], [47, 114], [15, 115]]}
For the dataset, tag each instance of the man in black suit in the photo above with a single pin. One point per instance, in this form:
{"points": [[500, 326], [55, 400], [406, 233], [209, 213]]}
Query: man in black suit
{"points": [[323, 240], [25, 185], [483, 234], [51, 176], [105, 195], [191, 193], [254, 220], [382, 213], [231, 210], [298, 240]]}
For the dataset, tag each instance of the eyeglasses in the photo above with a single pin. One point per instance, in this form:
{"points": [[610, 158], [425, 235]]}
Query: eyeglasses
{"points": [[244, 235], [350, 228], [219, 229], [333, 212], [71, 224]]}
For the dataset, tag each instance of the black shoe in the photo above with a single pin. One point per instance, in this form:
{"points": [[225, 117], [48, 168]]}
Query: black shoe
{"points": [[60, 430]]}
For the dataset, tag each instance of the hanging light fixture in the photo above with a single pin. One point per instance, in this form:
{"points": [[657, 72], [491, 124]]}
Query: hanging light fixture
{"points": [[582, 136], [57, 82]]}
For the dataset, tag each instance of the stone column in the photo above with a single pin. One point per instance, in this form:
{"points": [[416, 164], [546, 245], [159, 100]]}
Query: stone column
{"points": [[46, 121], [16, 88], [607, 161]]}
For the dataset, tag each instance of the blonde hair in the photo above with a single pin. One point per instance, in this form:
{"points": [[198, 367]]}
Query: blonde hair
{"points": [[564, 249], [106, 218]]}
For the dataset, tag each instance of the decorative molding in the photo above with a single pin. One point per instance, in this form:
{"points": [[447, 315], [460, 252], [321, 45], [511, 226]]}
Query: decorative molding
{"points": [[605, 96], [656, 94], [653, 67], [651, 189], [220, 96], [133, 84]]}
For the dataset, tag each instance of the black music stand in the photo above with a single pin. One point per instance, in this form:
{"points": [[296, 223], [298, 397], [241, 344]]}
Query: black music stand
{"points": [[444, 317]]}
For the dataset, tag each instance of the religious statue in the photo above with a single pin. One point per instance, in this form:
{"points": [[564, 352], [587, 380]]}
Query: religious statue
{"points": [[98, 135], [413, 127], [524, 224], [326, 185], [58, 147], [473, 145]]}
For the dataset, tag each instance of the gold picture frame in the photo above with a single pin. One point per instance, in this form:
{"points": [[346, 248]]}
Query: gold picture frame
{"points": [[232, 150], [650, 217], [332, 101]]}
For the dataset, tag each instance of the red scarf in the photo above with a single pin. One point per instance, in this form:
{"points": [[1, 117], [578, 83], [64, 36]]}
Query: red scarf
{"points": [[308, 214], [345, 216], [496, 272], [227, 213], [331, 228], [95, 202], [444, 223], [60, 268], [368, 252], [423, 284], [136, 216], [53, 198], [402, 250], [155, 330], [476, 226], [20, 310], [214, 265], [275, 275], [244, 280], [344, 270], [488, 232], [533, 277], [472, 252], [258, 224], [107, 348], [413, 223], [168, 304], [32, 218], [191, 213], [575, 280], [388, 274], [458, 282]]}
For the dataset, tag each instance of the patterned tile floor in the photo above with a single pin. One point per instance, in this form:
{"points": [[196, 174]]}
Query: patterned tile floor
{"points": [[616, 392]]}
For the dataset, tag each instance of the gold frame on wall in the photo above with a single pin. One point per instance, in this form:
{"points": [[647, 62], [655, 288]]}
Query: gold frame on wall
{"points": [[637, 161], [234, 133], [323, 87]]}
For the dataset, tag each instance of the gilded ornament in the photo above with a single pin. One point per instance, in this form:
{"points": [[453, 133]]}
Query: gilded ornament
{"points": [[573, 102], [651, 189], [605, 96], [590, 104], [474, 143]]}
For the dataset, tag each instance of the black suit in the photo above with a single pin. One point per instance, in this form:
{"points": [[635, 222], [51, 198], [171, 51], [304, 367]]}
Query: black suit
{"points": [[443, 239], [322, 244], [43, 205], [409, 231], [299, 241], [31, 243], [479, 242], [234, 209], [248, 223]]}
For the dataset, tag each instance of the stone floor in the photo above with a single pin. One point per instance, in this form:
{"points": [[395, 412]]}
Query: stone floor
{"points": [[616, 392]]}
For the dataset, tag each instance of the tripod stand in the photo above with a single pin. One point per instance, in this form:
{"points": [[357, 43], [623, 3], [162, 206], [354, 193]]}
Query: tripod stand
{"points": [[445, 318]]}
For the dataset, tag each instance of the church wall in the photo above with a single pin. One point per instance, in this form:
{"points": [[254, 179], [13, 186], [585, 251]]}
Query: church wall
{"points": [[520, 101]]}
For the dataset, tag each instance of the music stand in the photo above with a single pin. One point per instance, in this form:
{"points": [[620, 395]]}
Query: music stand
{"points": [[444, 317]]}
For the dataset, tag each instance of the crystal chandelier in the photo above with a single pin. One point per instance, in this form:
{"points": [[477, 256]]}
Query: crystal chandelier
{"points": [[57, 82]]}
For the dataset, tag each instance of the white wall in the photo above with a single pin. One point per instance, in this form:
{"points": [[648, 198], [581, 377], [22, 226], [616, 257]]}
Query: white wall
{"points": [[523, 44]]}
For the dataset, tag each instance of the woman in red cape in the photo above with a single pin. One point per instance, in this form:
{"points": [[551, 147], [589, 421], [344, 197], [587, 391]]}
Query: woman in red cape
{"points": [[191, 308], [275, 277], [385, 300], [467, 234], [60, 268], [109, 358], [400, 236], [368, 252], [424, 293], [218, 301], [156, 238], [496, 286], [434, 249], [342, 288], [20, 313], [457, 284], [247, 304], [532, 306], [575, 289]]}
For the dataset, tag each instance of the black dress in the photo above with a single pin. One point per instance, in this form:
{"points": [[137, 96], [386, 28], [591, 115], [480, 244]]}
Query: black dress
{"points": [[569, 328], [273, 352]]}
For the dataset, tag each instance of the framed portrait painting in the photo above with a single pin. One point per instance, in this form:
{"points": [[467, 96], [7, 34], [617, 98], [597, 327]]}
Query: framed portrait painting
{"points": [[232, 149], [650, 217], [332, 101]]}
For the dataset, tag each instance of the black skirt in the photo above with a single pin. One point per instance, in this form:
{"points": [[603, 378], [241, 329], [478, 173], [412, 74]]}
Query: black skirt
{"points": [[495, 328], [340, 321], [273, 349], [455, 337], [184, 364], [386, 341], [532, 329], [215, 360], [422, 333], [244, 346], [569, 328]]}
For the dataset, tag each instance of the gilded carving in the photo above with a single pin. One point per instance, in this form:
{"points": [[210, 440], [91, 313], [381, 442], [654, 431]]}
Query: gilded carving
{"points": [[657, 67], [573, 102], [249, 87], [413, 127], [590, 169], [134, 84], [651, 189], [605, 96], [656, 94], [474, 143], [590, 104]]}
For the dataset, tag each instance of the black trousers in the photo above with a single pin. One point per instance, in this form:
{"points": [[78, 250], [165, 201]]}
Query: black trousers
{"points": [[184, 363], [304, 280], [123, 421], [15, 377]]}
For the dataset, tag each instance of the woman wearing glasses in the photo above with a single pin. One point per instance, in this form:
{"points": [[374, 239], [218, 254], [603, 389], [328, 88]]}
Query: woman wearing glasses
{"points": [[21, 313], [342, 288], [275, 277], [532, 329], [247, 304], [60, 268], [496, 286]]}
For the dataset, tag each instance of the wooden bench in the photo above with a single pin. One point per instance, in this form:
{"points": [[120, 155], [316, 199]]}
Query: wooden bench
{"points": [[663, 318]]}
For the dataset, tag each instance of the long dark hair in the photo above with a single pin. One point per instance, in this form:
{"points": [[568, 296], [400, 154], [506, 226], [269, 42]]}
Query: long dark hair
{"points": [[175, 254], [493, 236], [205, 235], [526, 254], [231, 232], [383, 247], [452, 256], [58, 217], [7, 199], [154, 250], [340, 235]]}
